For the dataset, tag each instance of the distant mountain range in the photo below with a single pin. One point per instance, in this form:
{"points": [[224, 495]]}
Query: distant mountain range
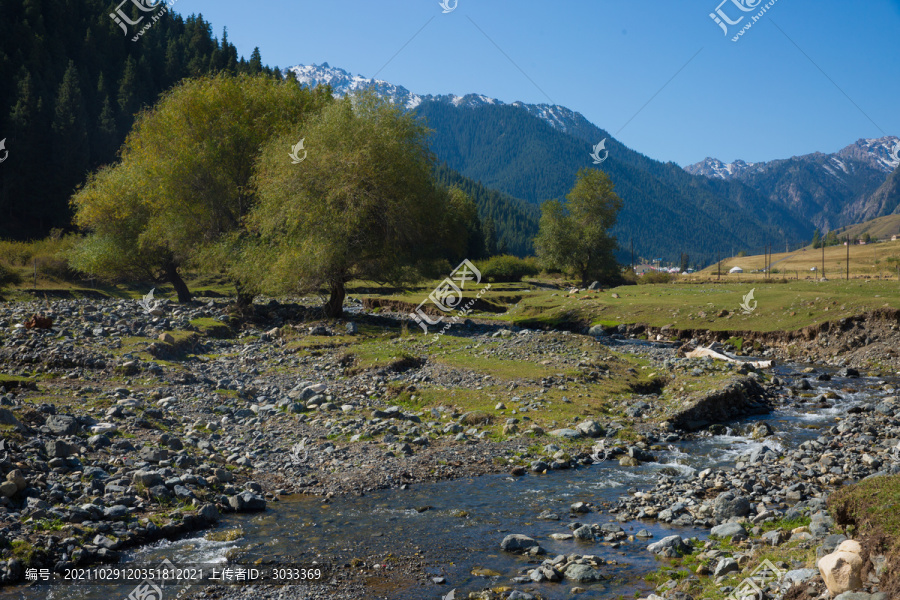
{"points": [[831, 190], [532, 152]]}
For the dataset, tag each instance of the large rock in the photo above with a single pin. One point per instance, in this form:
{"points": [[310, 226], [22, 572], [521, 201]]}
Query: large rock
{"points": [[729, 530], [671, 545], [62, 424], [580, 573], [147, 478], [590, 428], [59, 449], [800, 575], [727, 506], [151, 454], [584, 533], [7, 417], [247, 502], [565, 433], [842, 569], [726, 566], [15, 476], [518, 543], [8, 489]]}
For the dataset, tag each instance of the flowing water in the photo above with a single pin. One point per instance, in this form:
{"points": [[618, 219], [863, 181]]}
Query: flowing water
{"points": [[303, 529]]}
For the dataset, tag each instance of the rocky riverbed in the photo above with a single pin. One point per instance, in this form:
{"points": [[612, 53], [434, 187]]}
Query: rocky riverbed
{"points": [[122, 427]]}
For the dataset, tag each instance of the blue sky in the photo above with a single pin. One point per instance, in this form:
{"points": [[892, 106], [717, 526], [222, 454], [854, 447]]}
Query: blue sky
{"points": [[808, 76]]}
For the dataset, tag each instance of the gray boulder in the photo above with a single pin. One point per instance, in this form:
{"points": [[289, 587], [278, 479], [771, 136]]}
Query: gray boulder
{"points": [[7, 417], [566, 433], [62, 424], [590, 428], [597, 331], [582, 573], [800, 575], [59, 449], [247, 502], [727, 506], [729, 530], [726, 566], [518, 543], [673, 543], [147, 478]]}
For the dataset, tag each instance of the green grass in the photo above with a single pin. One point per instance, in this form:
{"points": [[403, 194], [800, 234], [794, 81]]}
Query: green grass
{"points": [[870, 507], [211, 327], [780, 306], [869, 511]]}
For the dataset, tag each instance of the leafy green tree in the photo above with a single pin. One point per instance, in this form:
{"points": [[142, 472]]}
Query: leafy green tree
{"points": [[817, 239], [361, 205], [463, 228], [574, 235], [183, 184]]}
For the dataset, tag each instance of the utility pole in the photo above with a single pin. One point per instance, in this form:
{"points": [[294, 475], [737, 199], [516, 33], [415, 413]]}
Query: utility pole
{"points": [[823, 258], [718, 267], [848, 257]]}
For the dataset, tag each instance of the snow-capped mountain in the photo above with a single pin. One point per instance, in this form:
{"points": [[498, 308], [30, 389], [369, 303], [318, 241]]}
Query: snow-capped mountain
{"points": [[832, 190], [343, 82], [715, 168], [876, 153], [815, 190]]}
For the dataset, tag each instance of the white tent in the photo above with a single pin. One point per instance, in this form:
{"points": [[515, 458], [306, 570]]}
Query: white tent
{"points": [[736, 270]]}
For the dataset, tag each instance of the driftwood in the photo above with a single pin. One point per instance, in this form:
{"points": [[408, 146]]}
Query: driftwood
{"points": [[715, 352]]}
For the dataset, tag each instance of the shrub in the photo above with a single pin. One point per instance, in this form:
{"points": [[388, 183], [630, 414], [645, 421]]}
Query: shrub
{"points": [[656, 277], [8, 277], [51, 255], [507, 268]]}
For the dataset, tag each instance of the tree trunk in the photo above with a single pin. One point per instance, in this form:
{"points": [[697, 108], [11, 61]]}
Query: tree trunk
{"points": [[181, 288], [334, 308], [244, 297]]}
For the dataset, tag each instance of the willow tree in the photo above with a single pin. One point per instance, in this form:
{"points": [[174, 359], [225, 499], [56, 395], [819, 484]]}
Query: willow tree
{"points": [[574, 236], [362, 204], [182, 186]]}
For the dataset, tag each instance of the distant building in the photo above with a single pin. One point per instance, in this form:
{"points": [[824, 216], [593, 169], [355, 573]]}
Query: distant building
{"points": [[736, 270], [894, 238]]}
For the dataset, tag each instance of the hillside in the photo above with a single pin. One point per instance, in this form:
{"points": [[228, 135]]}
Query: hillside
{"points": [[532, 152], [514, 222], [869, 260], [666, 211], [881, 228]]}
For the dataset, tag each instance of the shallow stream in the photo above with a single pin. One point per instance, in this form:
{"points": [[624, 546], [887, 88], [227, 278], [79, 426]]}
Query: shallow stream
{"points": [[453, 543]]}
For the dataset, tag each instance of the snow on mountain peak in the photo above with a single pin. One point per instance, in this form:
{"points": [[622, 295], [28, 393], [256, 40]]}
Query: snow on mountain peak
{"points": [[343, 82], [876, 152]]}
